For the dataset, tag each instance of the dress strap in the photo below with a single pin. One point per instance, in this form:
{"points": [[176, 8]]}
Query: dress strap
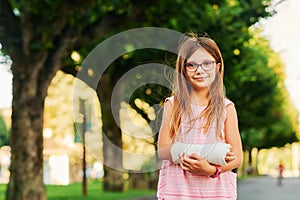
{"points": [[227, 102], [171, 99]]}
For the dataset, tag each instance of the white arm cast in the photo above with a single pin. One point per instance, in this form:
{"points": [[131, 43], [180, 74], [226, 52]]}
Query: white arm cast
{"points": [[213, 153]]}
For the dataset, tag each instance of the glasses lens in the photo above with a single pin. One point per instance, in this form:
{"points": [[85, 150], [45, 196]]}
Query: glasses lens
{"points": [[207, 65], [191, 67]]}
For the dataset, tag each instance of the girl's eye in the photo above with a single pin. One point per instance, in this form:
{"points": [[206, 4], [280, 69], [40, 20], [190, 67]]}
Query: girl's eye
{"points": [[190, 65]]}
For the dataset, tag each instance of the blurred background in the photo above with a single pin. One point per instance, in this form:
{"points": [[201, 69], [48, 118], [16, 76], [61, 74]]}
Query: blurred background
{"points": [[42, 51]]}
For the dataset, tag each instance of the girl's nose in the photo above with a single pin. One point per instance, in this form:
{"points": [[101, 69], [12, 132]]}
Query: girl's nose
{"points": [[199, 69]]}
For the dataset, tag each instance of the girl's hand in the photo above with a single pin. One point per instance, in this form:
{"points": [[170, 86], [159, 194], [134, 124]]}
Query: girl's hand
{"points": [[196, 165], [230, 157]]}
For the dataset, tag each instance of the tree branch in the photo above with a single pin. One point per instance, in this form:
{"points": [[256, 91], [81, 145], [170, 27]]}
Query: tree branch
{"points": [[10, 33]]}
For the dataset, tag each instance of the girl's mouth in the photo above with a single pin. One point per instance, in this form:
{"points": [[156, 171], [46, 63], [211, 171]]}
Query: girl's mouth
{"points": [[200, 78]]}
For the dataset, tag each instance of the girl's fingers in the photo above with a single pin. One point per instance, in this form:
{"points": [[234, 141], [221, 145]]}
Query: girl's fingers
{"points": [[230, 153], [230, 158], [182, 166], [181, 158], [185, 165]]}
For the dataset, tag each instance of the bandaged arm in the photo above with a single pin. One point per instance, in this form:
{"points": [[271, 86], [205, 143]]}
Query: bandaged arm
{"points": [[213, 153]]}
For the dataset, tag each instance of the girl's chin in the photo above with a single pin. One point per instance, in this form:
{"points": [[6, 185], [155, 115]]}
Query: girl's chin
{"points": [[201, 83], [200, 86]]}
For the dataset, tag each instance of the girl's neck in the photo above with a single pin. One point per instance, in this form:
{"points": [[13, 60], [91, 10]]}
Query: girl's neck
{"points": [[200, 98]]}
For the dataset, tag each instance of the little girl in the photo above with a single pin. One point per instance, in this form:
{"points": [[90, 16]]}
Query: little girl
{"points": [[197, 114]]}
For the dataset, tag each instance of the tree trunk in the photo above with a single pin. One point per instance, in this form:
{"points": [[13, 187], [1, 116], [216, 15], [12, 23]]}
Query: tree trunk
{"points": [[113, 173], [252, 165], [26, 178], [138, 181], [112, 138], [254, 158], [246, 163], [250, 169]]}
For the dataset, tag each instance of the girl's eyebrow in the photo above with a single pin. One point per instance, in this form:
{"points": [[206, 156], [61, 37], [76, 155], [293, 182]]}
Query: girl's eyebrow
{"points": [[192, 61]]}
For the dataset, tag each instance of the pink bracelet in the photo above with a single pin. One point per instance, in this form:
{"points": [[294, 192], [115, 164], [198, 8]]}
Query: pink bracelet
{"points": [[217, 173]]}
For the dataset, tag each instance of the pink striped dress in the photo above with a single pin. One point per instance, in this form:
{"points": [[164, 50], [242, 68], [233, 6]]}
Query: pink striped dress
{"points": [[176, 184]]}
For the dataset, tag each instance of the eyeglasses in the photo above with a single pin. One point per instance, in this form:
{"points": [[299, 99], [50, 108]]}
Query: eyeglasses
{"points": [[206, 66]]}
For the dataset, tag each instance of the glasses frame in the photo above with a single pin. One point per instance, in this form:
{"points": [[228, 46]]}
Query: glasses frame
{"points": [[199, 65]]}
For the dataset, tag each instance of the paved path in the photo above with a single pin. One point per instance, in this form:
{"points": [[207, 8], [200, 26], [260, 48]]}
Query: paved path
{"points": [[266, 188], [262, 188]]}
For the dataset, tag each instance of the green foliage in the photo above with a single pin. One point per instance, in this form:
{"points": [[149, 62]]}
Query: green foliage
{"points": [[252, 79], [261, 97], [4, 133], [252, 83]]}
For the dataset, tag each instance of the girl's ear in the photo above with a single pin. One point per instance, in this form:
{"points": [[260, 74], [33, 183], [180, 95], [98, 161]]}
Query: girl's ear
{"points": [[218, 67]]}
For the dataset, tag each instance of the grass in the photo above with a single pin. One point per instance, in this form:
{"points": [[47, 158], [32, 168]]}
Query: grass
{"points": [[94, 192], [2, 191]]}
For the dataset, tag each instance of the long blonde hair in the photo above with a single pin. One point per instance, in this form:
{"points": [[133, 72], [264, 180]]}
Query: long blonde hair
{"points": [[182, 90]]}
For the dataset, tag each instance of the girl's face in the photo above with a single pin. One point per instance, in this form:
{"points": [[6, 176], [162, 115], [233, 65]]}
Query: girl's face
{"points": [[201, 69]]}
